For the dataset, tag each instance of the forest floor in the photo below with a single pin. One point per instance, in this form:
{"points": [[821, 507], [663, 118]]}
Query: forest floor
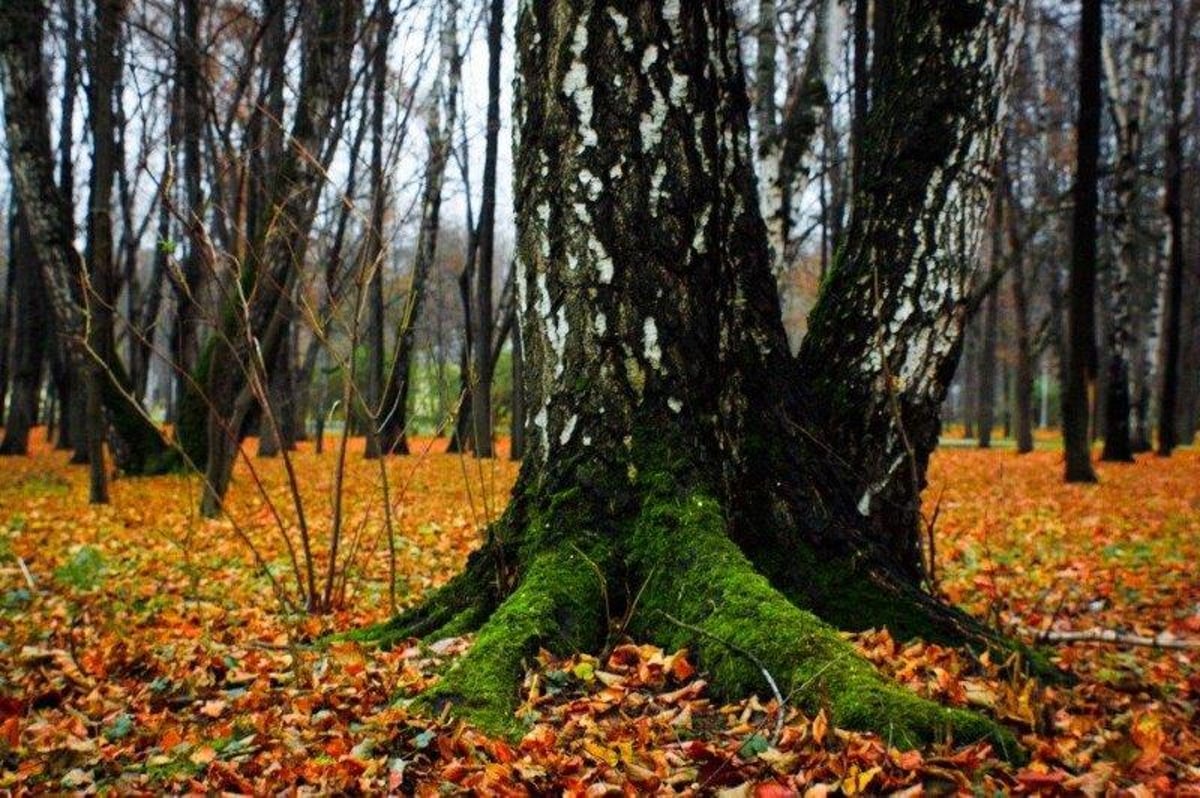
{"points": [[142, 650]]}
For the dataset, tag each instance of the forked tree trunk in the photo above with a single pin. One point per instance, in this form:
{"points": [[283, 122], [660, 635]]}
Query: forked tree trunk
{"points": [[672, 440], [253, 331]]}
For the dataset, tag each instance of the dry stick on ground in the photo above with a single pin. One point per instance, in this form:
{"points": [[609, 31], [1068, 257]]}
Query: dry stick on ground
{"points": [[1098, 635]]}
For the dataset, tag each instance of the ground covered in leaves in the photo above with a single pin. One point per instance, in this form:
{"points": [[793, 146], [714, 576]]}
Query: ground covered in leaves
{"points": [[143, 649]]}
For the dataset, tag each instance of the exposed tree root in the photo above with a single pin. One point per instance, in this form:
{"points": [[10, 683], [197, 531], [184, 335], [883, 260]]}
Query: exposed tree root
{"points": [[458, 607], [558, 606], [689, 586], [698, 576]]}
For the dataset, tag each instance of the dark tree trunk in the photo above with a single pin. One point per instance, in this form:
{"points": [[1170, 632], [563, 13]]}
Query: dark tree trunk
{"points": [[482, 365], [185, 346], [1024, 372], [1177, 57], [279, 433], [671, 445], [374, 259], [100, 286], [7, 303], [1081, 346], [32, 328], [987, 369]]}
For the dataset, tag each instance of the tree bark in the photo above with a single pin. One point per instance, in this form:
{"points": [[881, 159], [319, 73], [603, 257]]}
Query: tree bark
{"points": [[1081, 349], [374, 258], [892, 310], [671, 448]]}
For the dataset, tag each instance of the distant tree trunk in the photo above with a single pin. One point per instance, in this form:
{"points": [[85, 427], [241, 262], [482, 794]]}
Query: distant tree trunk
{"points": [[1177, 58], [861, 88], [481, 394], [1081, 350], [1023, 377], [7, 330], [281, 393], [969, 365], [987, 369], [32, 330], [374, 259], [439, 127]]}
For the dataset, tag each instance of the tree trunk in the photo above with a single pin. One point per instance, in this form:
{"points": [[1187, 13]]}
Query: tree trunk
{"points": [[443, 113], [1024, 376], [100, 282], [482, 365], [7, 304], [32, 330], [1177, 57], [373, 261], [669, 452], [987, 370], [1081, 348], [892, 310]]}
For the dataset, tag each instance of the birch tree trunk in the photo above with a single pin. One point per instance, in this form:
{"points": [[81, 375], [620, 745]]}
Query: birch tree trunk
{"points": [[671, 445]]}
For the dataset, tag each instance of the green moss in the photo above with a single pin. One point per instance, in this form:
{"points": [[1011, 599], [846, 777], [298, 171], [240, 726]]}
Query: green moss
{"points": [[705, 594], [557, 606]]}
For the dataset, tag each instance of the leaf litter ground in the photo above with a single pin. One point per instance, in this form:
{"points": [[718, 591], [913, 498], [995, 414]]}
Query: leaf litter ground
{"points": [[141, 649]]}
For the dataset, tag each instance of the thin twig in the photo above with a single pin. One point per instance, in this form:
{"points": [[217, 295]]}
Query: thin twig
{"points": [[1098, 635]]}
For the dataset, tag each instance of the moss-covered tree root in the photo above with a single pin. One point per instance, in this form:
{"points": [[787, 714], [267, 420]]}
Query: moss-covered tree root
{"points": [[702, 592], [558, 606], [689, 586]]}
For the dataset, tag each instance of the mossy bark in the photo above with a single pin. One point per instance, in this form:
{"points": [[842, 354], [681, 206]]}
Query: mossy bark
{"points": [[671, 477]]}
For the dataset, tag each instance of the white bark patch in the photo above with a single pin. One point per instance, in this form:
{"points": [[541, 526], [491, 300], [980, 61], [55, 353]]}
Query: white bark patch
{"points": [[650, 343], [557, 332], [575, 85], [604, 263], [567, 430], [592, 185], [700, 239], [539, 423], [600, 323], [656, 181]]}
